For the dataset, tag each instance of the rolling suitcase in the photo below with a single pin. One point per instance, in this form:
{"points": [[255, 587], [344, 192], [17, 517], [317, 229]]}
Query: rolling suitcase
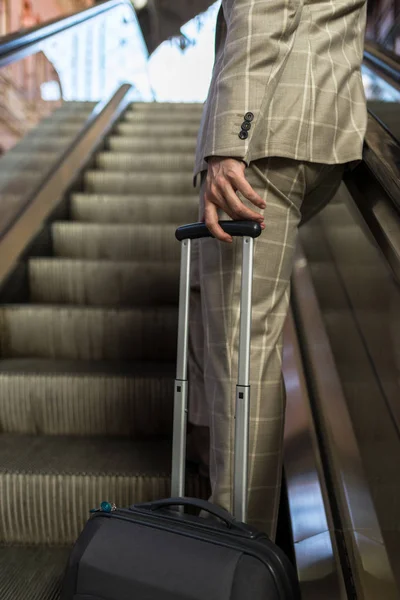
{"points": [[156, 551]]}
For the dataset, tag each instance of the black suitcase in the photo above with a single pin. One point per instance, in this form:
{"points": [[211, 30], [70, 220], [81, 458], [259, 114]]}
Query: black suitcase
{"points": [[156, 551]]}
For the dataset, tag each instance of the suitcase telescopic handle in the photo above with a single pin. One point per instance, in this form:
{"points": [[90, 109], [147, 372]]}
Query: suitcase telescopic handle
{"points": [[195, 231], [248, 230]]}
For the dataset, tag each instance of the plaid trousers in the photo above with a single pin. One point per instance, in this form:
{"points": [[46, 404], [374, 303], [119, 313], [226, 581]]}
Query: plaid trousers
{"points": [[293, 191]]}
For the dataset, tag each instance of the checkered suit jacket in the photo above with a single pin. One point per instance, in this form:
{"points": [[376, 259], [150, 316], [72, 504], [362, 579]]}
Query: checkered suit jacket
{"points": [[295, 66]]}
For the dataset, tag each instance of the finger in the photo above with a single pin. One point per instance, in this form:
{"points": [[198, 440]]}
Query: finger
{"points": [[215, 195], [244, 187], [211, 221], [239, 211]]}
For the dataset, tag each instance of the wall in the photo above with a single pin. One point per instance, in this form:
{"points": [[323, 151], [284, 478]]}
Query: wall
{"points": [[44, 9]]}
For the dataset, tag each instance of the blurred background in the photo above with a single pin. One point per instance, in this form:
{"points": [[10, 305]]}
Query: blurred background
{"points": [[173, 45]]}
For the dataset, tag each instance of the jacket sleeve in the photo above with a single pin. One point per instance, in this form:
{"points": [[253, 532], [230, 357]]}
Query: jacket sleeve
{"points": [[259, 38]]}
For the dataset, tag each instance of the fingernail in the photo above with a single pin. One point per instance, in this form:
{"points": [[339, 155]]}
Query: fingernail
{"points": [[262, 225], [263, 205]]}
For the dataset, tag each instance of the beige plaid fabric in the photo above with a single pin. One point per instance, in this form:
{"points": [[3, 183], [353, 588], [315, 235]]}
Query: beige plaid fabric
{"points": [[290, 189], [295, 64]]}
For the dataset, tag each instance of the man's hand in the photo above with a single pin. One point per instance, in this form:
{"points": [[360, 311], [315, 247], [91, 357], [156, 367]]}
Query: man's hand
{"points": [[226, 176]]}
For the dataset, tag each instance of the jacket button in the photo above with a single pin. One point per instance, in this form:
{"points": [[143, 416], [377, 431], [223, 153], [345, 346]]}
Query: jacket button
{"points": [[243, 135], [248, 116], [246, 125]]}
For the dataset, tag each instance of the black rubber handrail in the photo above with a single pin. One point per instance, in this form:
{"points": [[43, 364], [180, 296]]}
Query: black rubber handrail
{"points": [[27, 42], [383, 60]]}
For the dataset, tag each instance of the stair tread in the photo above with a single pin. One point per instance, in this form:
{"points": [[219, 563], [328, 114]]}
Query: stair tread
{"points": [[38, 569], [42, 367], [69, 455], [118, 241], [88, 333], [103, 282], [150, 145], [139, 182], [87, 398]]}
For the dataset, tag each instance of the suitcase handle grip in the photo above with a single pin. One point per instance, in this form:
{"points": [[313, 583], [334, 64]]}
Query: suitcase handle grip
{"points": [[195, 231], [216, 511]]}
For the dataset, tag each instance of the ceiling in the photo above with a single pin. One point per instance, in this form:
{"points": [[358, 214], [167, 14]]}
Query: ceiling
{"points": [[161, 19]]}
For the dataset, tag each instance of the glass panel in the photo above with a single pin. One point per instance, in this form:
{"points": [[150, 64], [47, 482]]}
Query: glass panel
{"points": [[190, 61], [383, 100], [377, 88]]}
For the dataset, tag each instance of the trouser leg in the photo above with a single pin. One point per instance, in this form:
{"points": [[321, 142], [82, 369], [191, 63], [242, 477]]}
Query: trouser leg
{"points": [[284, 184]]}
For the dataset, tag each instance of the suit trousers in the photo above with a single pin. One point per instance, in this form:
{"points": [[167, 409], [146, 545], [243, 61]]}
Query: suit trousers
{"points": [[293, 191]]}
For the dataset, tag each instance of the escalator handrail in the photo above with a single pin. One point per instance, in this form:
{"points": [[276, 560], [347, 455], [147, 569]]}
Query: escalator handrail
{"points": [[382, 156], [383, 60], [27, 42]]}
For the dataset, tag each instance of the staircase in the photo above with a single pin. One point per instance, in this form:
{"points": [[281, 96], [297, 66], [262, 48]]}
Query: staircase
{"points": [[88, 350]]}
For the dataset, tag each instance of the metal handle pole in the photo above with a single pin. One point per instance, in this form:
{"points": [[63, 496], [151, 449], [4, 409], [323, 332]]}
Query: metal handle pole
{"points": [[181, 381], [242, 413]]}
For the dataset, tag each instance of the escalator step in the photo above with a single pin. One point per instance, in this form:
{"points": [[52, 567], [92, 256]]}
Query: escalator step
{"points": [[78, 105], [137, 183], [115, 161], [103, 283], [155, 130], [147, 145], [166, 107], [27, 160], [54, 127], [10, 184], [116, 242], [86, 398], [65, 118], [96, 208], [40, 144], [88, 333], [137, 116], [32, 572], [48, 484]]}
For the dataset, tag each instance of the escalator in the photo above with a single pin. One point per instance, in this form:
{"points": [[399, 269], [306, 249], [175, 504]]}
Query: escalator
{"points": [[88, 309], [346, 304], [88, 348]]}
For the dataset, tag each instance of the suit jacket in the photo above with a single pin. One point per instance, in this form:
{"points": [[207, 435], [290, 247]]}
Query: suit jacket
{"points": [[293, 69]]}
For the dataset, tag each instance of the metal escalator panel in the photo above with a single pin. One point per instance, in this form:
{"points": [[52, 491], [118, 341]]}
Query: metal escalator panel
{"points": [[360, 304], [381, 78]]}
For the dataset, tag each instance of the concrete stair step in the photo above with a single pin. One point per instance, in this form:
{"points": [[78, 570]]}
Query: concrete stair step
{"points": [[103, 283], [133, 208], [80, 333], [130, 399], [116, 242]]}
